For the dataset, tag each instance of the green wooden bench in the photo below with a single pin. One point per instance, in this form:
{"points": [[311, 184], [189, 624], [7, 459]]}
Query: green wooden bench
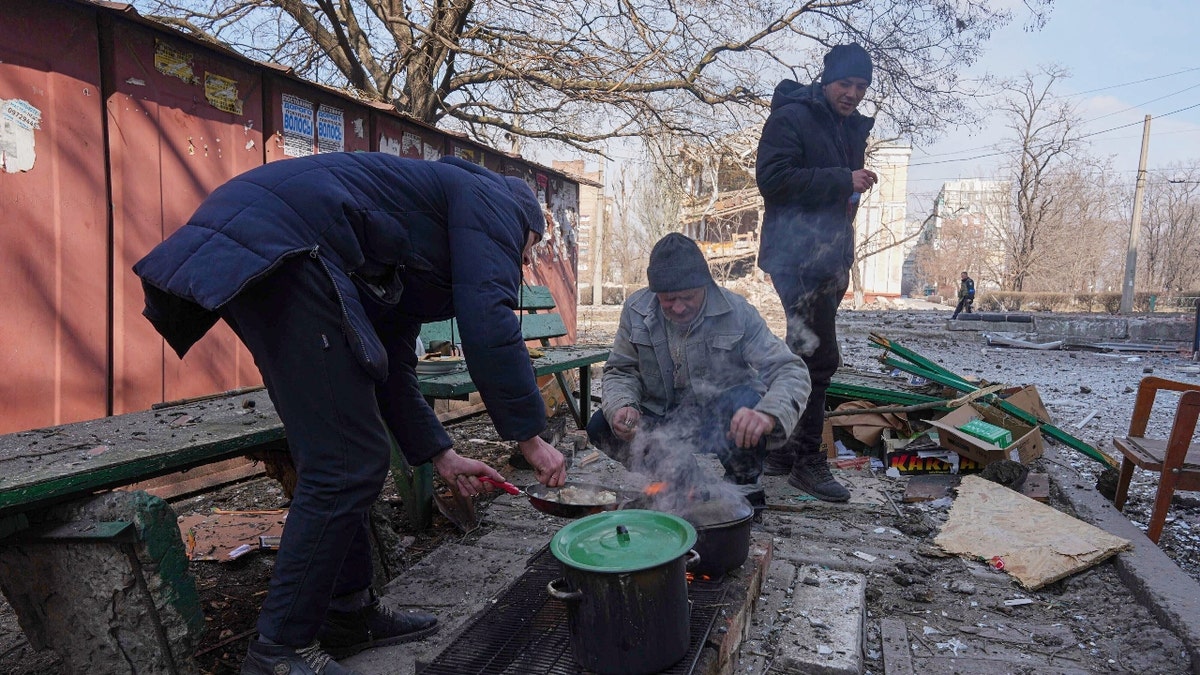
{"points": [[540, 323]]}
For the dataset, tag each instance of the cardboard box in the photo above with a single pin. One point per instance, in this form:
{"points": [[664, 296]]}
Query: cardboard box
{"points": [[918, 462], [1027, 441], [1026, 398]]}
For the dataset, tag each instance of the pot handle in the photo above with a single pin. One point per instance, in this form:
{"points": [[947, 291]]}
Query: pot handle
{"points": [[565, 596], [693, 559]]}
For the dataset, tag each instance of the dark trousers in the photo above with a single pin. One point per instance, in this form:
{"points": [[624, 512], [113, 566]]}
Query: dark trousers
{"points": [[693, 426], [810, 305], [292, 324], [964, 304]]}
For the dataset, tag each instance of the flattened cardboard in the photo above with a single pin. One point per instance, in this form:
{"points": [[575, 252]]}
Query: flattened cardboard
{"points": [[1038, 544], [1027, 442]]}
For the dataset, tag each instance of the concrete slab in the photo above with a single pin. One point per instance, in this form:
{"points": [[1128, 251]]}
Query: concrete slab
{"points": [[824, 634]]}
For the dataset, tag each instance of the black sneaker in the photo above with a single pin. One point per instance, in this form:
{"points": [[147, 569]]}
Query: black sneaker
{"points": [[811, 474], [778, 462], [267, 659], [376, 625]]}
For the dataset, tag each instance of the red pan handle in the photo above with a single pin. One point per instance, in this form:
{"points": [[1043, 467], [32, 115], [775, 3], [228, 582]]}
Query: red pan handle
{"points": [[507, 487]]}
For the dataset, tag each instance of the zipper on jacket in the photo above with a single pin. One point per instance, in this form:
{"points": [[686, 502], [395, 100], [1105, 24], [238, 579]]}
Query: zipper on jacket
{"points": [[362, 345]]}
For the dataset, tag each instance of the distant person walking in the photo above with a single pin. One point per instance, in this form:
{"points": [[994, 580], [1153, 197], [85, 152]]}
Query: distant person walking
{"points": [[966, 296]]}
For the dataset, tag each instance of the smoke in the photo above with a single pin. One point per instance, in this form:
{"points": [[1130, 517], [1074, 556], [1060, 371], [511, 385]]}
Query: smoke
{"points": [[666, 454]]}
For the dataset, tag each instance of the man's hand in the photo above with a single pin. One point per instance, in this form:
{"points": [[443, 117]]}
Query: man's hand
{"points": [[548, 463], [625, 423], [864, 179], [748, 426], [460, 472]]}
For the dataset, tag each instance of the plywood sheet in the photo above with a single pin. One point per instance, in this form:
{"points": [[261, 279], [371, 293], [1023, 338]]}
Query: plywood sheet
{"points": [[1037, 544]]}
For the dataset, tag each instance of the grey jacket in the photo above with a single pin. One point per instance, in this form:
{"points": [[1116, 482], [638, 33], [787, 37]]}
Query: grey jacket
{"points": [[730, 346]]}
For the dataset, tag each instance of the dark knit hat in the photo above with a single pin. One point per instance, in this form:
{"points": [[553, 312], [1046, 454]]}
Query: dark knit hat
{"points": [[676, 264], [534, 216], [846, 61]]}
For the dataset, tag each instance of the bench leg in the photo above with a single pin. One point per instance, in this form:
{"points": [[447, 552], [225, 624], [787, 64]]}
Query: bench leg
{"points": [[585, 396], [415, 485], [571, 402]]}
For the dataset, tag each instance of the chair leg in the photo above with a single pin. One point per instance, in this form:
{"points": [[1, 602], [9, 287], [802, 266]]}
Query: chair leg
{"points": [[1123, 484], [1162, 502]]}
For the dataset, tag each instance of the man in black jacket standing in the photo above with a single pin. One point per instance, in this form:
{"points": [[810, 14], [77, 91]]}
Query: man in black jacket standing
{"points": [[966, 295], [810, 172]]}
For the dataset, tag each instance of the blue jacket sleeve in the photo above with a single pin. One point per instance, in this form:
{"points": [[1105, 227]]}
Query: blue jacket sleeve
{"points": [[486, 242]]}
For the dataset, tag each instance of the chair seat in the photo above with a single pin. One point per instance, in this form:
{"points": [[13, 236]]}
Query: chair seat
{"points": [[1148, 453]]}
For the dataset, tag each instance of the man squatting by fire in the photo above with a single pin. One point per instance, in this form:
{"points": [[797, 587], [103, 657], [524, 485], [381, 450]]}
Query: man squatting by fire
{"points": [[695, 368], [810, 173], [325, 267]]}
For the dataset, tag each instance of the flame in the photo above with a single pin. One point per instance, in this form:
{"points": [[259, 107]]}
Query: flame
{"points": [[654, 488], [691, 576]]}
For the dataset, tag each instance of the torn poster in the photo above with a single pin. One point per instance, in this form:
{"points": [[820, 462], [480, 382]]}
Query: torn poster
{"points": [[18, 120]]}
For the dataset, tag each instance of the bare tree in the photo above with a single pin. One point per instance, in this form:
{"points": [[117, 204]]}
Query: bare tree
{"points": [[1045, 138], [1170, 243], [579, 71], [1084, 246]]}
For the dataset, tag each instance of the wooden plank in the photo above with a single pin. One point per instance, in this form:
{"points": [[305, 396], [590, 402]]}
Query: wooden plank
{"points": [[897, 655], [542, 326], [536, 298], [555, 360], [533, 327], [55, 463]]}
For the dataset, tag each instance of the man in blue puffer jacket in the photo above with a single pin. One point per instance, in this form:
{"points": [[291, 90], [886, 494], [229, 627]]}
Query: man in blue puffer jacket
{"points": [[810, 172], [326, 267]]}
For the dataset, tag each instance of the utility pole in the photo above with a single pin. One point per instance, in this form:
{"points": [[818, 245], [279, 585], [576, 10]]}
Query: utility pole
{"points": [[1135, 224]]}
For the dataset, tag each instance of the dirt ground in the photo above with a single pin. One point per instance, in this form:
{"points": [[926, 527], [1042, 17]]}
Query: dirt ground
{"points": [[1072, 385]]}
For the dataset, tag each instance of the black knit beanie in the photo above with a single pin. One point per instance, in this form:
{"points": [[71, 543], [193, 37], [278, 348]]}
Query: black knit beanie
{"points": [[676, 264], [846, 61]]}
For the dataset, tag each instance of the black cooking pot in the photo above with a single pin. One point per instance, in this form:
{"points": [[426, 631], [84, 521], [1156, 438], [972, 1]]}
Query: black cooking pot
{"points": [[625, 586], [722, 534]]}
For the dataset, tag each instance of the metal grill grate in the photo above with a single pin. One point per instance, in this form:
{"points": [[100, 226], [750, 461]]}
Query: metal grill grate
{"points": [[525, 632]]}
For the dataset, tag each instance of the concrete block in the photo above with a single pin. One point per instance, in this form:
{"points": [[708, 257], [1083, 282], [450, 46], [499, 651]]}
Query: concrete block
{"points": [[1088, 327], [1162, 329], [104, 605], [824, 635]]}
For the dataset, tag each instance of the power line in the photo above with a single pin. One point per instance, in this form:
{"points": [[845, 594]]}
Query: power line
{"points": [[1126, 84]]}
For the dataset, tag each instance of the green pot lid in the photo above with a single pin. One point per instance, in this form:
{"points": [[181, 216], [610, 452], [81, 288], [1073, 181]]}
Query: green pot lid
{"points": [[623, 541]]}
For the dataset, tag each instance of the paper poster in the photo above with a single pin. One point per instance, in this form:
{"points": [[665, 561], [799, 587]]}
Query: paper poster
{"points": [[413, 147], [389, 145], [464, 153], [432, 152], [222, 93], [18, 120], [331, 129], [174, 63], [297, 126]]}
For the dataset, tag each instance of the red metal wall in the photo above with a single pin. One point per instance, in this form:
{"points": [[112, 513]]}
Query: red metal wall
{"points": [[53, 225], [182, 120], [112, 131]]}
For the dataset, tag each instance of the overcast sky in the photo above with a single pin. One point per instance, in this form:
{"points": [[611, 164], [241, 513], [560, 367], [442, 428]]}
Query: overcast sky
{"points": [[1126, 60]]}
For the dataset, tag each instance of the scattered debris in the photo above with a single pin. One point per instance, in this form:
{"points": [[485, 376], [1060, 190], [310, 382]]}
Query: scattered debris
{"points": [[223, 536], [1001, 341]]}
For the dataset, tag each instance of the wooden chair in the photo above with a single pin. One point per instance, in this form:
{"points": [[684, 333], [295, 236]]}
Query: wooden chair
{"points": [[1176, 458]]}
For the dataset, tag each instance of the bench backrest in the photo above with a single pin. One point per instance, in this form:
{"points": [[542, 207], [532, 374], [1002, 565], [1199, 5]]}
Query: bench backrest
{"points": [[534, 325]]}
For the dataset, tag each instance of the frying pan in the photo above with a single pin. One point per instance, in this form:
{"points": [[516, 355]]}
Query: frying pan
{"points": [[546, 499]]}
